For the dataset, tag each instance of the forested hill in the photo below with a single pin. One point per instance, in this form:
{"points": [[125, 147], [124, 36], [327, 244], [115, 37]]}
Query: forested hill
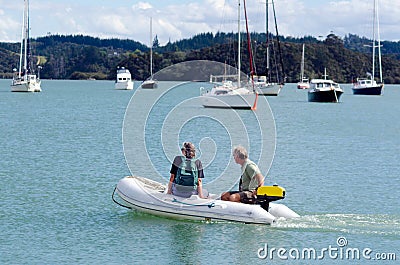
{"points": [[83, 57]]}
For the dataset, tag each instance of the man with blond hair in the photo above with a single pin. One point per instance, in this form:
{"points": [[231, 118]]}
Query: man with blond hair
{"points": [[250, 179]]}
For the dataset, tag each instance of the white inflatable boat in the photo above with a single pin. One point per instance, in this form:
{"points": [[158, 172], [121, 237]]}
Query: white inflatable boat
{"points": [[149, 196]]}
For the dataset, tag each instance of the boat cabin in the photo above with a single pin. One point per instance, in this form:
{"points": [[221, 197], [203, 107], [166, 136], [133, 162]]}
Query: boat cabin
{"points": [[323, 84]]}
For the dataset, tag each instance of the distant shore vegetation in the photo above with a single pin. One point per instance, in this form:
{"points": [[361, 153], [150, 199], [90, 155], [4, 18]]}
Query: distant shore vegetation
{"points": [[85, 57]]}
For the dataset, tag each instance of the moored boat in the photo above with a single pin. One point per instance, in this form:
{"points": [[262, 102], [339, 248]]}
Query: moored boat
{"points": [[150, 83], [229, 94], [271, 82], [149, 196], [369, 86], [124, 79], [25, 80], [304, 82], [365, 86], [324, 90], [265, 88]]}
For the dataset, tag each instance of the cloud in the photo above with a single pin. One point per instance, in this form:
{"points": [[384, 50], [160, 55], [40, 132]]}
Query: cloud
{"points": [[112, 24], [178, 19], [142, 6], [10, 29]]}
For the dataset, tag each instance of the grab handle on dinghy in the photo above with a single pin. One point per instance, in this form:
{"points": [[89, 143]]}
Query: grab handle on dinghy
{"points": [[120, 204], [185, 203]]}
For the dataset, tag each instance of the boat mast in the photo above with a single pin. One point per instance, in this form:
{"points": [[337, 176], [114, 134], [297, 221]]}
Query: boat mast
{"points": [[379, 41], [25, 37], [28, 44], [373, 43], [239, 55], [151, 48], [279, 49], [302, 66], [325, 75], [21, 53], [249, 43], [267, 40]]}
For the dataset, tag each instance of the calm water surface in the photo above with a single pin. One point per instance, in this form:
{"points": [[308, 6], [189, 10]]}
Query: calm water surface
{"points": [[62, 154]]}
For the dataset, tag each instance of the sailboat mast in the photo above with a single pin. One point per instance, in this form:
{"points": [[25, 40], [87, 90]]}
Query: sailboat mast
{"points": [[248, 41], [26, 36], [379, 42], [302, 66], [21, 56], [282, 78], [373, 42], [267, 40], [151, 48], [239, 55]]}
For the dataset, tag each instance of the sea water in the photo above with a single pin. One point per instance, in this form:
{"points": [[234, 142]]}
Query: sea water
{"points": [[62, 153]]}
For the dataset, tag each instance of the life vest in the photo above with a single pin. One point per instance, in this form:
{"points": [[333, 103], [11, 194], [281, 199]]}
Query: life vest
{"points": [[187, 175]]}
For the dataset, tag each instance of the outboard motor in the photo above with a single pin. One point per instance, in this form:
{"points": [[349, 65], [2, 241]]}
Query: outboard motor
{"points": [[267, 194]]}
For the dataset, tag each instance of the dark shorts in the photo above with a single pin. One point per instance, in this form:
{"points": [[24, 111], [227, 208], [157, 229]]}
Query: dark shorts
{"points": [[245, 196]]}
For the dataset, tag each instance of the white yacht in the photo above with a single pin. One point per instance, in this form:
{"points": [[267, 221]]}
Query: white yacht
{"points": [[369, 86], [324, 90], [228, 94], [266, 88], [24, 79], [304, 83], [124, 79]]}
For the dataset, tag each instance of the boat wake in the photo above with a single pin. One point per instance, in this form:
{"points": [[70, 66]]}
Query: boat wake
{"points": [[378, 224]]}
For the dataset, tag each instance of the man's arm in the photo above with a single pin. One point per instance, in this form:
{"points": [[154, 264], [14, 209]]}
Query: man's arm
{"points": [[260, 179]]}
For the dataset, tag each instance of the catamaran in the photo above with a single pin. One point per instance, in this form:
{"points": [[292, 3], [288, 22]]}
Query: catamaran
{"points": [[230, 94]]}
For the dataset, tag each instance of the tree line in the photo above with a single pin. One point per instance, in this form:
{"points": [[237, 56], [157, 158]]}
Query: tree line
{"points": [[83, 57]]}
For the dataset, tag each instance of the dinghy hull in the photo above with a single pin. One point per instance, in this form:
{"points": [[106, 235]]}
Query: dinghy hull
{"points": [[149, 197]]}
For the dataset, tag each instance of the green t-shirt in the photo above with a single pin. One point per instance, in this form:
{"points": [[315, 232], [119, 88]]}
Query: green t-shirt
{"points": [[248, 180]]}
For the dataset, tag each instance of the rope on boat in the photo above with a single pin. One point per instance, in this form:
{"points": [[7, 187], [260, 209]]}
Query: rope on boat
{"points": [[120, 204], [185, 203]]}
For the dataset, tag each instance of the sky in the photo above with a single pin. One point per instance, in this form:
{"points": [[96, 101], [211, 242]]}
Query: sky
{"points": [[175, 20]]}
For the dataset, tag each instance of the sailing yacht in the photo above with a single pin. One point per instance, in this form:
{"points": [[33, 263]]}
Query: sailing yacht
{"points": [[303, 83], [264, 83], [369, 86], [150, 82], [24, 79], [230, 94]]}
